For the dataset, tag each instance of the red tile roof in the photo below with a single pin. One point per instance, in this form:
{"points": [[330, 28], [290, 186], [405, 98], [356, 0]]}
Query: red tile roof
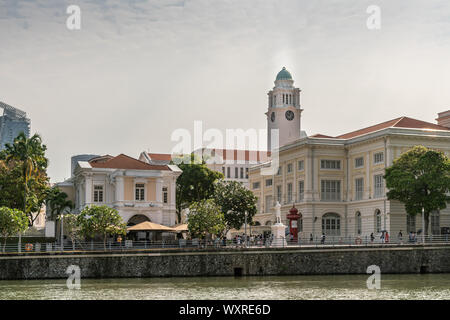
{"points": [[402, 122], [123, 161], [160, 156]]}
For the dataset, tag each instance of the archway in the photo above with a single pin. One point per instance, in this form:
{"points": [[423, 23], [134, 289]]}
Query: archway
{"points": [[136, 219], [331, 224]]}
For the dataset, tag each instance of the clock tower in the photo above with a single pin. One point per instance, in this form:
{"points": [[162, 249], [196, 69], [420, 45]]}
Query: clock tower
{"points": [[284, 111]]}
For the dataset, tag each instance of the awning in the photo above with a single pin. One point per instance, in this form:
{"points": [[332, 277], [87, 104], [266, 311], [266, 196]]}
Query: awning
{"points": [[181, 227], [150, 226]]}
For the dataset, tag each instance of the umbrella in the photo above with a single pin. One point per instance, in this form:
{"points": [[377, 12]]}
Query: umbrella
{"points": [[150, 226]]}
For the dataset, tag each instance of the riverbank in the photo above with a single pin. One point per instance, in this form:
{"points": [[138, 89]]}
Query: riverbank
{"points": [[229, 262]]}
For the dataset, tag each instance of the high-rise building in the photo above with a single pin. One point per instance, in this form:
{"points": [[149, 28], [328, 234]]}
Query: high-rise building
{"points": [[12, 122]]}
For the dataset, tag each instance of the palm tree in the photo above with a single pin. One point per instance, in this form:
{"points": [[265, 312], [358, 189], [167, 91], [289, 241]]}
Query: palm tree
{"points": [[57, 202], [29, 153]]}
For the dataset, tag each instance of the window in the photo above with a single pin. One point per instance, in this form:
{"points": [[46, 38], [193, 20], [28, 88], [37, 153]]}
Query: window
{"points": [[242, 173], [140, 192], [358, 223], [377, 221], [331, 190], [359, 162], [359, 188], [236, 172], [410, 223], [330, 164], [165, 195], [268, 203], [256, 185], [435, 225], [301, 165], [301, 190], [331, 224], [279, 171], [98, 193], [378, 186], [289, 168], [228, 172], [246, 173], [378, 157], [279, 194], [268, 182], [289, 193]]}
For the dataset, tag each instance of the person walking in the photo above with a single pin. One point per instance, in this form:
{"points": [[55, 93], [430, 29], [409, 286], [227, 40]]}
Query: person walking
{"points": [[311, 239], [386, 237], [400, 237], [322, 241], [372, 237]]}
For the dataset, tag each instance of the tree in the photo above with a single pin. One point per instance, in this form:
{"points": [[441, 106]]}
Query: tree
{"points": [[57, 202], [101, 220], [12, 221], [234, 200], [420, 178], [196, 183], [28, 156], [71, 226], [205, 218]]}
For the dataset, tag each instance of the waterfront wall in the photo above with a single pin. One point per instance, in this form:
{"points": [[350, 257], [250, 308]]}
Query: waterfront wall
{"points": [[252, 262]]}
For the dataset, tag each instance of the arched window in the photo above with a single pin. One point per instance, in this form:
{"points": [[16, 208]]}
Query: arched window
{"points": [[410, 223], [268, 223], [331, 224], [435, 223], [358, 223], [377, 221]]}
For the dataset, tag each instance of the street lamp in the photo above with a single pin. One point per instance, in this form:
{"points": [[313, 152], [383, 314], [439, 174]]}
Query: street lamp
{"points": [[62, 232], [245, 229]]}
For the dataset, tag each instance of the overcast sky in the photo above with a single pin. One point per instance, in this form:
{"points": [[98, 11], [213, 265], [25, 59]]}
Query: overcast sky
{"points": [[138, 70]]}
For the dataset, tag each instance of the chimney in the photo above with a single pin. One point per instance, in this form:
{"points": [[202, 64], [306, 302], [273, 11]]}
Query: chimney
{"points": [[444, 119]]}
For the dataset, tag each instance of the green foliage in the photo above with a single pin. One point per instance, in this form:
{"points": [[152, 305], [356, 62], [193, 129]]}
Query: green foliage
{"points": [[12, 221], [57, 202], [101, 220], [205, 218], [420, 178], [23, 176], [72, 226], [234, 200], [196, 183]]}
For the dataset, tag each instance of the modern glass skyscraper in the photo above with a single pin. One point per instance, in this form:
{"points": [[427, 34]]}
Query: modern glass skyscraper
{"points": [[12, 122]]}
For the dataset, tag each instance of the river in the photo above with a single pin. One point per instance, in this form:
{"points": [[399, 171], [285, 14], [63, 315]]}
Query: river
{"points": [[429, 286]]}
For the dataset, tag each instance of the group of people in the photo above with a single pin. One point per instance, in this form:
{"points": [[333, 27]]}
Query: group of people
{"points": [[240, 240]]}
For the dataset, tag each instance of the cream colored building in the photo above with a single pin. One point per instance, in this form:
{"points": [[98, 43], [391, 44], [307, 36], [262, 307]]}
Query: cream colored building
{"points": [[138, 190], [337, 183]]}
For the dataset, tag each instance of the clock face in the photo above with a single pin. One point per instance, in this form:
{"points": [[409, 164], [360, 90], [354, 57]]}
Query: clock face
{"points": [[289, 115], [272, 116]]}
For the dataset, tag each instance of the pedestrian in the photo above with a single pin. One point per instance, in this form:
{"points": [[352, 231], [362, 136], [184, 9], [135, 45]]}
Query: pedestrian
{"points": [[372, 237], [322, 241], [382, 237], [400, 236], [311, 239], [386, 237]]}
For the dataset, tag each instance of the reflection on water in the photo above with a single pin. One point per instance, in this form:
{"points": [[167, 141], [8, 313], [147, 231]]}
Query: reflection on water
{"points": [[430, 286]]}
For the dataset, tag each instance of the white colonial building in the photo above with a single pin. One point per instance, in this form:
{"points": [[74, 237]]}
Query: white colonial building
{"points": [[138, 190], [337, 183]]}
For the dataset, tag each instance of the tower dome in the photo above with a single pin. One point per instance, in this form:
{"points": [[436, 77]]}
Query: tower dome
{"points": [[284, 75]]}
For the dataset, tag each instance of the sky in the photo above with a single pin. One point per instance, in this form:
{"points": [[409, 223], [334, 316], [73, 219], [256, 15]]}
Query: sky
{"points": [[138, 70]]}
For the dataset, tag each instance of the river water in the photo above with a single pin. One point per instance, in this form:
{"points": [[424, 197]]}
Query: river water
{"points": [[429, 286]]}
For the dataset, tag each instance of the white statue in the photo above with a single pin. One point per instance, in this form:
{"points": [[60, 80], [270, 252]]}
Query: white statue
{"points": [[278, 212]]}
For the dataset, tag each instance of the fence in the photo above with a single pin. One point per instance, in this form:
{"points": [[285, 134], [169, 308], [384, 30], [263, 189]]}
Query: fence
{"points": [[236, 243]]}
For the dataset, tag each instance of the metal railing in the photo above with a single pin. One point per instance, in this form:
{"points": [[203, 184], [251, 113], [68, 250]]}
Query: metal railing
{"points": [[239, 242]]}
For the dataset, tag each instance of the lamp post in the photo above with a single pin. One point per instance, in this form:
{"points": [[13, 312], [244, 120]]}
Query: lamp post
{"points": [[62, 232], [423, 225], [245, 229]]}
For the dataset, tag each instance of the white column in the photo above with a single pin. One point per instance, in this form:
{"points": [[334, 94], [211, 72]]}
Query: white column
{"points": [[119, 194], [88, 189], [159, 184], [172, 192], [367, 179]]}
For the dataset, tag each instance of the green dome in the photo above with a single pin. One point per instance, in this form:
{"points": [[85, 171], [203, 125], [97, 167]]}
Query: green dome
{"points": [[284, 75]]}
